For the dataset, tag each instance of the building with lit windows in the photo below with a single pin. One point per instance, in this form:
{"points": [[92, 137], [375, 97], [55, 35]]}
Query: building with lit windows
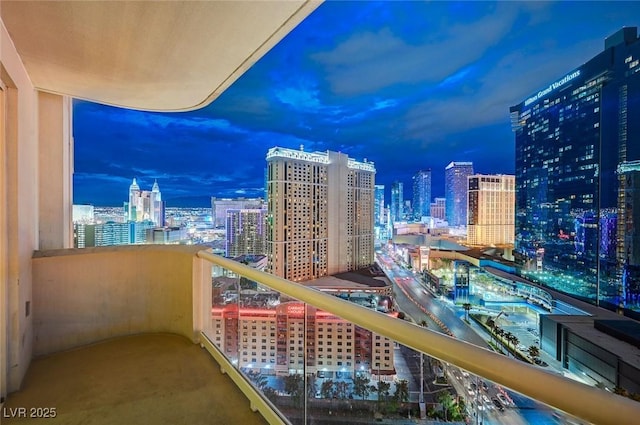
{"points": [[397, 201], [378, 209], [320, 213], [113, 233], [578, 175], [145, 205], [455, 190], [246, 232], [219, 207], [422, 194], [438, 208], [491, 210], [272, 342]]}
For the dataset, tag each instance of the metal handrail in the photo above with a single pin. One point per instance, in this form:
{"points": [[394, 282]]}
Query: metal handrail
{"points": [[575, 398]]}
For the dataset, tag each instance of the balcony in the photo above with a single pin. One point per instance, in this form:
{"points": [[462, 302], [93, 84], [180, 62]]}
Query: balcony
{"points": [[118, 334], [112, 313]]}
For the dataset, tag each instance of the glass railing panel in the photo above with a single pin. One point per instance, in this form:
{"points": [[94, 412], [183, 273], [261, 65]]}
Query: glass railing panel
{"points": [[314, 366]]}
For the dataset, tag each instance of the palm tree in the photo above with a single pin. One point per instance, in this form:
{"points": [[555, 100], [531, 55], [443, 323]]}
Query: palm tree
{"points": [[514, 341], [534, 352], [507, 336], [293, 385], [326, 390], [402, 391], [342, 388], [491, 323], [361, 386], [383, 391], [492, 326]]}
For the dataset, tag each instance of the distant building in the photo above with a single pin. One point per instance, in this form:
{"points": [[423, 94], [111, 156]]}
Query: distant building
{"points": [[272, 341], [144, 205], [378, 209], [455, 189], [219, 207], [397, 201], [491, 210], [83, 214], [167, 235], [438, 208], [407, 210], [246, 232], [422, 194], [321, 208]]}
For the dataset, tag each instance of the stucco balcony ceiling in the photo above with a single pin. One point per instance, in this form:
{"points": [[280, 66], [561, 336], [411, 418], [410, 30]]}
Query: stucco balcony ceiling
{"points": [[152, 55]]}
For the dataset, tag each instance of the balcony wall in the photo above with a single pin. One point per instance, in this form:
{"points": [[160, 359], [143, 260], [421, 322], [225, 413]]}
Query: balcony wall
{"points": [[18, 212], [86, 295]]}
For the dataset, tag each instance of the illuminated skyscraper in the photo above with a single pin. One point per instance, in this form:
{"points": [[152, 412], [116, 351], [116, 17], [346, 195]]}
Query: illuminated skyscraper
{"points": [[491, 210], [422, 194], [455, 192], [578, 175], [378, 209], [145, 205], [397, 202], [246, 232], [219, 207], [320, 213]]}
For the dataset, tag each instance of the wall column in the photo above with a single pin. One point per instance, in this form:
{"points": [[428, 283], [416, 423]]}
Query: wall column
{"points": [[55, 164]]}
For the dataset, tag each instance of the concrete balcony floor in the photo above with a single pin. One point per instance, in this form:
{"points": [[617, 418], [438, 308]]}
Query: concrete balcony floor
{"points": [[142, 379]]}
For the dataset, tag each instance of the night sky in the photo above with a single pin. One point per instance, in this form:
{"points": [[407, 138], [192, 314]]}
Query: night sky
{"points": [[407, 85]]}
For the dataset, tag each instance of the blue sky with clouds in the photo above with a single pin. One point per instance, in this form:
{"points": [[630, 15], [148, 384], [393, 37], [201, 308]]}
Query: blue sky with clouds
{"points": [[407, 85]]}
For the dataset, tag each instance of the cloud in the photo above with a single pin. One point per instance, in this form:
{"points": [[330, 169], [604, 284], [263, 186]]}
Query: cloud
{"points": [[370, 61], [505, 83]]}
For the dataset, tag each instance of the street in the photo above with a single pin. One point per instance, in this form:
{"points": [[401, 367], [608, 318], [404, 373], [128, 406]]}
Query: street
{"points": [[417, 302]]}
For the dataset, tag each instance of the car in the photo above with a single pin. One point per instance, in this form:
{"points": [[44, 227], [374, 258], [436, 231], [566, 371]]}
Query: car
{"points": [[497, 403], [485, 386], [471, 392]]}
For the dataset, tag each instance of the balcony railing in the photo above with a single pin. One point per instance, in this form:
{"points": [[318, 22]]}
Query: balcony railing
{"points": [[574, 398]]}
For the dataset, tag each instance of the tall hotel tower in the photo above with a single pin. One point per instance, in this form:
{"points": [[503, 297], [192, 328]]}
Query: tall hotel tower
{"points": [[455, 192], [422, 194], [490, 212], [145, 205], [246, 232], [378, 209], [578, 178], [320, 213], [397, 202]]}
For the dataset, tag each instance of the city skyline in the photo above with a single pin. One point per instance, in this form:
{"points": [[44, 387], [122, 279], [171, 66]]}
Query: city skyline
{"points": [[406, 85]]}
